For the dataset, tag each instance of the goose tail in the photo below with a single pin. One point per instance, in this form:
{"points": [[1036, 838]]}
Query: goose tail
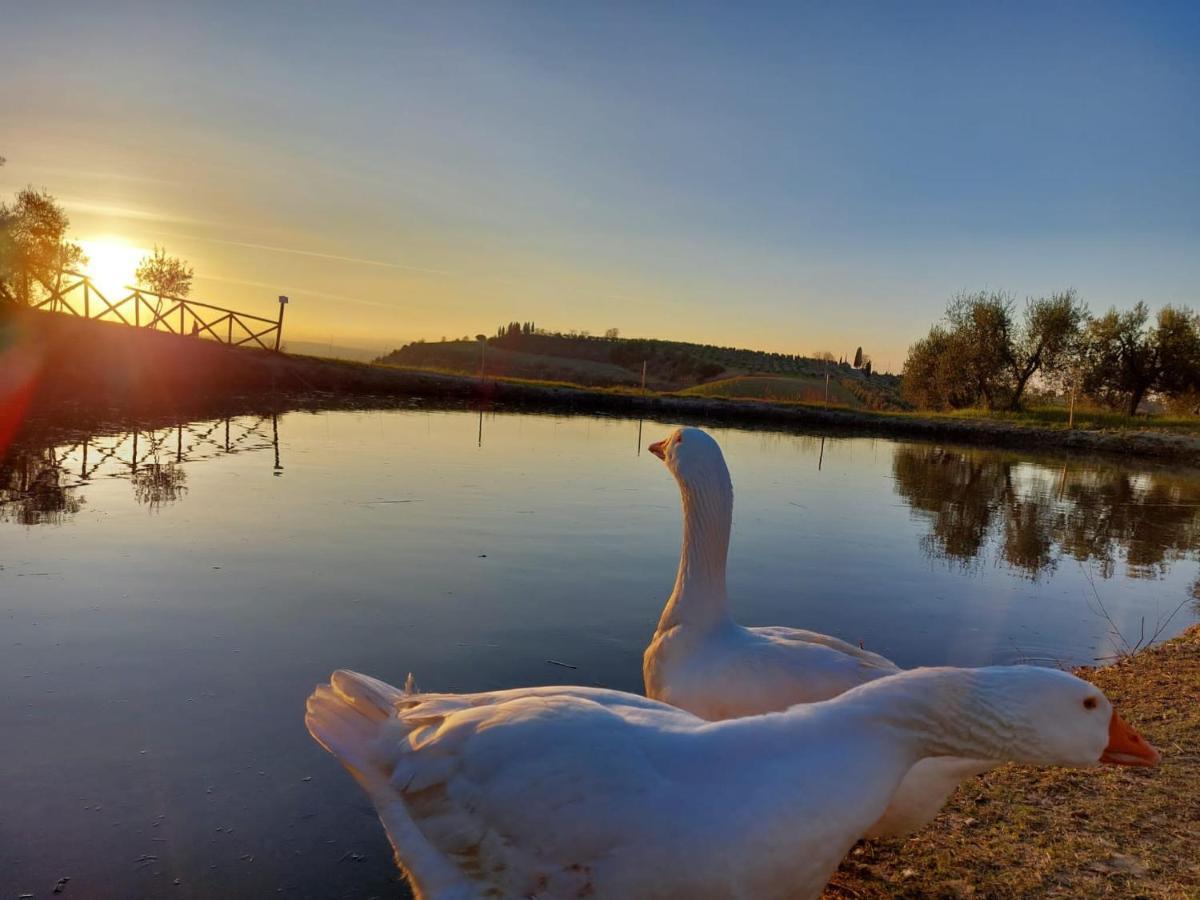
{"points": [[347, 718]]}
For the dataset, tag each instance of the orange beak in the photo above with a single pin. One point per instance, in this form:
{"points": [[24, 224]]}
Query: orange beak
{"points": [[1126, 747], [658, 448]]}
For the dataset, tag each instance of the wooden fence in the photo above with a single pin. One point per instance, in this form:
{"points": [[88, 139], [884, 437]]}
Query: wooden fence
{"points": [[75, 294]]}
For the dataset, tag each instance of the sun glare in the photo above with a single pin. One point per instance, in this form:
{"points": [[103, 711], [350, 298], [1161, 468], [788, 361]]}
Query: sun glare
{"points": [[112, 263]]}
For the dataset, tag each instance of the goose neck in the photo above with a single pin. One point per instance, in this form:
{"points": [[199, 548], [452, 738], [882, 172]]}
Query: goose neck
{"points": [[699, 596]]}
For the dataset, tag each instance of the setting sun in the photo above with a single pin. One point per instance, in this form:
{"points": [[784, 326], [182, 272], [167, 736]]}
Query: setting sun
{"points": [[112, 263]]}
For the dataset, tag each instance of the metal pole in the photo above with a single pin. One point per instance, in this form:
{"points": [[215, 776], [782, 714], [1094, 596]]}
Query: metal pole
{"points": [[283, 301], [643, 376], [1071, 414], [275, 442]]}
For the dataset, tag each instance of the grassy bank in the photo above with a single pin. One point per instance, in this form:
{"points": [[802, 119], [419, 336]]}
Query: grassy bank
{"points": [[103, 366], [1019, 832], [1085, 419]]}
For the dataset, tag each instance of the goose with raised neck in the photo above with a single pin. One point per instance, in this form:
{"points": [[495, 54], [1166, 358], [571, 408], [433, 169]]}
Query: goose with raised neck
{"points": [[701, 660]]}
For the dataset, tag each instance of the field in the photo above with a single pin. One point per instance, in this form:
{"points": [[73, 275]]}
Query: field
{"points": [[801, 389], [703, 369], [462, 357]]}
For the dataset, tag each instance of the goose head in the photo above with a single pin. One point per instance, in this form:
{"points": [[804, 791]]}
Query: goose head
{"points": [[695, 459], [1023, 714], [1074, 724]]}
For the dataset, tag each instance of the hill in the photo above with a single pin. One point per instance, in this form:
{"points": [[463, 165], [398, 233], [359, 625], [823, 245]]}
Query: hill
{"points": [[670, 366], [803, 389]]}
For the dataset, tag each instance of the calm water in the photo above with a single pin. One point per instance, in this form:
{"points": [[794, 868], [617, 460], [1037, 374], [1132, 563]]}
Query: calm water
{"points": [[165, 608]]}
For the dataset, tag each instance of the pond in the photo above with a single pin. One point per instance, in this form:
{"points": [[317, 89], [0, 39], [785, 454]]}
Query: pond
{"points": [[169, 597]]}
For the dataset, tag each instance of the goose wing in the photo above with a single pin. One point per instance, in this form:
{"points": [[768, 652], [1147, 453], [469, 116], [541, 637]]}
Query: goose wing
{"points": [[514, 793]]}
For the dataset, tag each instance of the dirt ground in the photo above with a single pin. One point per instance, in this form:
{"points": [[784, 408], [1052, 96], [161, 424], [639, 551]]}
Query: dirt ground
{"points": [[1108, 832]]}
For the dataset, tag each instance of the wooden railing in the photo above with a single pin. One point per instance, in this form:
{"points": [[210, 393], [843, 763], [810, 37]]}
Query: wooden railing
{"points": [[75, 294]]}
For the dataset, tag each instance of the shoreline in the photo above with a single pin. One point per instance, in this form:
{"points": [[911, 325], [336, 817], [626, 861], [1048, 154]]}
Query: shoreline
{"points": [[1105, 832], [106, 366]]}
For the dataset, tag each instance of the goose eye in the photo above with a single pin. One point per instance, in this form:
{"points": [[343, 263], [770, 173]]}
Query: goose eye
{"points": [[1090, 703]]}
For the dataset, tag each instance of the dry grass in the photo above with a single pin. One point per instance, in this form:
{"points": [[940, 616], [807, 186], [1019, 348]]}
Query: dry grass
{"points": [[1020, 832]]}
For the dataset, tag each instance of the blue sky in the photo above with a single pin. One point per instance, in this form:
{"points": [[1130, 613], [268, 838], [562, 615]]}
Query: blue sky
{"points": [[796, 177]]}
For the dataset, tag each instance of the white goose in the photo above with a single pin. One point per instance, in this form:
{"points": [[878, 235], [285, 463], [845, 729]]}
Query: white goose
{"points": [[701, 660], [572, 792]]}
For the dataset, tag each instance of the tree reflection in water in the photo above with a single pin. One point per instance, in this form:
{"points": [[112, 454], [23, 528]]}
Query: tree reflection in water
{"points": [[41, 483], [35, 490], [1034, 515], [157, 483]]}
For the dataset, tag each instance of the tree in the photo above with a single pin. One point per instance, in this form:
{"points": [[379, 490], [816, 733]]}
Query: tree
{"points": [[1124, 359], [167, 276], [611, 334], [933, 375], [982, 326], [34, 249], [866, 367], [1046, 340], [858, 358]]}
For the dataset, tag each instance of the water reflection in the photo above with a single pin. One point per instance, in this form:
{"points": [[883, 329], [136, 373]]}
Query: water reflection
{"points": [[1031, 515], [35, 490], [182, 644], [42, 482]]}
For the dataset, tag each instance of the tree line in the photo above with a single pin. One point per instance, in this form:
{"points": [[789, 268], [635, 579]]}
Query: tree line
{"points": [[986, 352]]}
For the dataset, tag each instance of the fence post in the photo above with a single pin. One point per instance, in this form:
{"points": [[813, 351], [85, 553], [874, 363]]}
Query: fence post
{"points": [[283, 301], [86, 300], [181, 311]]}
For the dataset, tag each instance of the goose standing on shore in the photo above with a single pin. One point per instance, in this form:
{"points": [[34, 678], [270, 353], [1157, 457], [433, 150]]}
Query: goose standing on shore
{"points": [[702, 661], [574, 792]]}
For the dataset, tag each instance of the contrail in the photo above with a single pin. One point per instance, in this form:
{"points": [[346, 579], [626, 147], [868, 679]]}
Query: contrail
{"points": [[315, 254], [297, 290]]}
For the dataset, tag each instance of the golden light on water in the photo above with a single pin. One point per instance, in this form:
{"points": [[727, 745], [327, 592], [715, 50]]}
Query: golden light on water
{"points": [[112, 263]]}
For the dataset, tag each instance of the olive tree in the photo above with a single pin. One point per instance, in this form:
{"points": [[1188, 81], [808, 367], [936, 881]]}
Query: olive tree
{"points": [[1126, 357], [1046, 340], [167, 276], [34, 249]]}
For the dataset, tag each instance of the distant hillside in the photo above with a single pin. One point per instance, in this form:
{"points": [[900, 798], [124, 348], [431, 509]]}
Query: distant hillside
{"points": [[806, 389], [670, 366], [329, 351]]}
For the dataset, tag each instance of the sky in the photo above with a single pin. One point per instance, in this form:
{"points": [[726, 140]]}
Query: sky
{"points": [[793, 177]]}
